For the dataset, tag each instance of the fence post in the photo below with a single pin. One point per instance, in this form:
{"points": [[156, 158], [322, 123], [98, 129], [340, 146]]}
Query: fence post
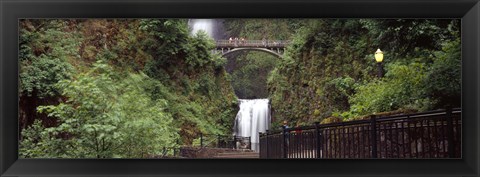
{"points": [[218, 141], [201, 140], [373, 120], [234, 142], [318, 139], [175, 149], [285, 146], [451, 145], [266, 144]]}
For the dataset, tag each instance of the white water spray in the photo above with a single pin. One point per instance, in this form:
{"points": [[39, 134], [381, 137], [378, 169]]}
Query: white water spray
{"points": [[213, 27], [204, 25], [252, 118]]}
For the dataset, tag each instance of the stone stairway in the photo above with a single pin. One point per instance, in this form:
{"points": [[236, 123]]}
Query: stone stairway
{"points": [[238, 155]]}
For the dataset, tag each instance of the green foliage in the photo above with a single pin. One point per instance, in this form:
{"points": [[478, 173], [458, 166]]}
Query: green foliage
{"points": [[202, 100], [443, 81], [270, 29], [199, 50], [42, 74], [338, 91], [402, 87], [104, 116], [419, 86], [319, 70], [251, 73], [44, 57], [329, 69], [167, 40], [39, 142], [402, 36]]}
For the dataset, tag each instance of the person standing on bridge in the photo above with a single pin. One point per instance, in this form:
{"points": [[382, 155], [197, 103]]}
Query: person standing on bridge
{"points": [[230, 40], [236, 41], [264, 42], [242, 40]]}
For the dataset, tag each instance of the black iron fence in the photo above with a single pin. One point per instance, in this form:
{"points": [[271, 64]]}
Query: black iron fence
{"points": [[221, 141], [434, 134], [168, 152], [205, 141]]}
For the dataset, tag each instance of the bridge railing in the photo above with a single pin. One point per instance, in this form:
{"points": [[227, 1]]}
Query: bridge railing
{"points": [[434, 134], [252, 43]]}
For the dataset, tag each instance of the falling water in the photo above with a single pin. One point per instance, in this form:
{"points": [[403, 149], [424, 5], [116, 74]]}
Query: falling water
{"points": [[213, 27], [252, 118]]}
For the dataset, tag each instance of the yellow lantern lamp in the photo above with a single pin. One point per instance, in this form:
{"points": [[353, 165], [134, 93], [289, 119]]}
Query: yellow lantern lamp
{"points": [[379, 56]]}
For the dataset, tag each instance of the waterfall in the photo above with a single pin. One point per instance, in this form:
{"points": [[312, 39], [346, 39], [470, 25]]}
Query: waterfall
{"points": [[213, 27], [252, 118]]}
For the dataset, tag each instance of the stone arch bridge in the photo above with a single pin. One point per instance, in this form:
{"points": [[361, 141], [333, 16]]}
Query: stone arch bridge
{"points": [[274, 47]]}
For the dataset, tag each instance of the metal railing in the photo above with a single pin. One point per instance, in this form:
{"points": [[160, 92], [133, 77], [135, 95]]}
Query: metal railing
{"points": [[204, 141], [222, 141], [251, 43], [433, 134]]}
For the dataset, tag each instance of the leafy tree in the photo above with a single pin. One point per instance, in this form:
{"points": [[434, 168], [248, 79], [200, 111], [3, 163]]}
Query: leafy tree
{"points": [[167, 38], [199, 50], [402, 36], [443, 81], [402, 87], [45, 52], [103, 119]]}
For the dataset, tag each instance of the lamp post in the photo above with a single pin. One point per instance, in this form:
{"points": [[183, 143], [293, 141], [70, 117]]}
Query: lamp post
{"points": [[379, 59]]}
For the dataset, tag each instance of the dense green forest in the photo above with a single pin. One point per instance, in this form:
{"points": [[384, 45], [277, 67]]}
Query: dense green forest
{"points": [[128, 88], [118, 88]]}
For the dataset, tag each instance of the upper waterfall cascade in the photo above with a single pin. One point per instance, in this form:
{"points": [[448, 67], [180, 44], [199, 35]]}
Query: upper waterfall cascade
{"points": [[213, 27]]}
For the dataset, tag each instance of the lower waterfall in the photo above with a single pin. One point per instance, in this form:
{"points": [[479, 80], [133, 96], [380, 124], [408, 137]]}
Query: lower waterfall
{"points": [[252, 118]]}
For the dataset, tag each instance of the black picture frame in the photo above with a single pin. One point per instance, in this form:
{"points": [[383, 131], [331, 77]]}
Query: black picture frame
{"points": [[12, 10]]}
